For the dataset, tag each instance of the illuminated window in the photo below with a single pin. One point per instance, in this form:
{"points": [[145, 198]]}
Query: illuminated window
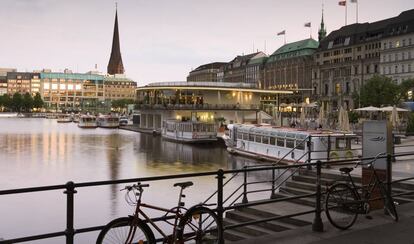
{"points": [[70, 87], [62, 86], [78, 87], [337, 88], [54, 86], [46, 86]]}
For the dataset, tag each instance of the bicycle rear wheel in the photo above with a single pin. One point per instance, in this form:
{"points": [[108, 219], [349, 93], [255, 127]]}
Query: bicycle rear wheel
{"points": [[341, 206], [389, 204], [199, 225], [117, 231]]}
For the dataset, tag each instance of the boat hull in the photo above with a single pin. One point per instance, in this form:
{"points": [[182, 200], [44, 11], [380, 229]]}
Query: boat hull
{"points": [[189, 140]]}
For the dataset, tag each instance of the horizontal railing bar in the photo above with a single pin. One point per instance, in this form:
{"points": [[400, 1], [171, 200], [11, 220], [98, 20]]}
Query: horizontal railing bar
{"points": [[32, 189], [403, 193], [250, 204], [233, 226], [34, 238], [400, 180], [262, 190]]}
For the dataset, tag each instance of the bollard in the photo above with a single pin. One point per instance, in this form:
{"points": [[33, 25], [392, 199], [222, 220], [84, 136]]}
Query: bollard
{"points": [[220, 210], [317, 224], [245, 200], [389, 174], [70, 231]]}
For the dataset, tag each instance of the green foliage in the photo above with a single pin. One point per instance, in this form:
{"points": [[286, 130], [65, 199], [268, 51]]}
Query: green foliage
{"points": [[381, 90], [27, 102], [410, 123], [37, 101], [121, 103], [17, 102], [353, 117]]}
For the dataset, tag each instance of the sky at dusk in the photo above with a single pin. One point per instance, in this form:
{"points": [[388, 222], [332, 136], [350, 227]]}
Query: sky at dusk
{"points": [[162, 40]]}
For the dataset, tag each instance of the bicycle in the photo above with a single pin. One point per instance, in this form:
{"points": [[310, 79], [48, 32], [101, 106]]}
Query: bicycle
{"points": [[198, 224], [345, 201]]}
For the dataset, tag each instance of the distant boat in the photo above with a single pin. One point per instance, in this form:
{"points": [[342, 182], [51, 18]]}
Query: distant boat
{"points": [[123, 120], [108, 121], [64, 118], [189, 131], [76, 118], [10, 115], [87, 121]]}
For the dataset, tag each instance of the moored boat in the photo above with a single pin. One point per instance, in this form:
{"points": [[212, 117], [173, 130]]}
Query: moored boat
{"points": [[290, 145], [108, 121], [64, 118], [123, 120], [87, 121], [189, 131], [76, 118]]}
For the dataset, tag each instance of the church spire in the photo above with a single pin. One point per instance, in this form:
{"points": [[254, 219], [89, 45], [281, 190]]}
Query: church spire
{"points": [[115, 65], [322, 30]]}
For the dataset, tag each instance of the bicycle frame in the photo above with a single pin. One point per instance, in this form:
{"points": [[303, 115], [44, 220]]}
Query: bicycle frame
{"points": [[138, 211], [374, 182]]}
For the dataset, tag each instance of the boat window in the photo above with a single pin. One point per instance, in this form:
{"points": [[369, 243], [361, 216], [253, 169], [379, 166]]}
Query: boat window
{"points": [[290, 135], [265, 140], [290, 143], [300, 144], [281, 134], [340, 143], [239, 135], [251, 137], [272, 141], [348, 143], [280, 142], [258, 138]]}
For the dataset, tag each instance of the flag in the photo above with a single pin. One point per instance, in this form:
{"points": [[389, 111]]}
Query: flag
{"points": [[281, 33], [354, 1], [308, 24], [342, 3]]}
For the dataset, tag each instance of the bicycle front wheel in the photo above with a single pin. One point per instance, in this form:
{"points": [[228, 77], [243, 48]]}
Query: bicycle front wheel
{"points": [[341, 206], [199, 225], [121, 231], [389, 204]]}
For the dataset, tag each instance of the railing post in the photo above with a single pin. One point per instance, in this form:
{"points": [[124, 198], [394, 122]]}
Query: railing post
{"points": [[245, 200], [389, 173], [220, 210], [309, 145], [272, 194], [70, 231], [317, 224]]}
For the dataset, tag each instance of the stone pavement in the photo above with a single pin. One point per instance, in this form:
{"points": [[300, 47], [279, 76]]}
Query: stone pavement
{"points": [[381, 229]]}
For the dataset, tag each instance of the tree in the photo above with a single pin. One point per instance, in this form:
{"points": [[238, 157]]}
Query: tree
{"points": [[121, 103], [377, 91], [7, 101], [27, 102], [17, 102], [37, 101]]}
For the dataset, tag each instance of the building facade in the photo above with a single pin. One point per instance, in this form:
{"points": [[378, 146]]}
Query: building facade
{"points": [[3, 85], [206, 72], [244, 69], [397, 53], [23, 82], [348, 57]]}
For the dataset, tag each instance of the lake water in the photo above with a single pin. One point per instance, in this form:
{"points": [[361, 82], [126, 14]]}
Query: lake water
{"points": [[37, 152]]}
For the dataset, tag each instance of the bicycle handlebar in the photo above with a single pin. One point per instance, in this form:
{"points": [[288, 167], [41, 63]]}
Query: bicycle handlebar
{"points": [[371, 161]]}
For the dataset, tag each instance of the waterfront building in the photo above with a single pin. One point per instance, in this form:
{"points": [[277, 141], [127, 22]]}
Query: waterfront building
{"points": [[290, 68], [118, 87], [23, 82], [206, 72], [219, 102], [3, 71], [351, 55], [244, 69], [3, 85], [397, 52]]}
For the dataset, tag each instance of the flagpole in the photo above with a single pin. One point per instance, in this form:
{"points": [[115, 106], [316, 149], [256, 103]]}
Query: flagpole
{"points": [[284, 36], [357, 11], [346, 8]]}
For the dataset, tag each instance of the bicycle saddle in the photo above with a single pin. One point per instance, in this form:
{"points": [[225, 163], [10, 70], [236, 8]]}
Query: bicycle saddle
{"points": [[346, 170], [184, 184]]}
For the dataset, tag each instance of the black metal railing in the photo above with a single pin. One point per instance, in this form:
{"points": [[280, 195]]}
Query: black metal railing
{"points": [[70, 190]]}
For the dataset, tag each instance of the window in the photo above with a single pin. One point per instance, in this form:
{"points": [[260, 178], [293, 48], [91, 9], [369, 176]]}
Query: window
{"points": [[290, 143], [326, 89], [46, 86], [396, 69], [54, 86], [280, 142], [347, 90], [390, 44], [403, 42], [258, 138], [272, 141], [376, 68], [300, 144], [355, 69], [337, 88], [402, 68], [397, 44], [265, 140], [367, 69]]}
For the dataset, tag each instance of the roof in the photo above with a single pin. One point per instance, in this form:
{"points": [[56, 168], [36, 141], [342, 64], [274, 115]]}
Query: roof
{"points": [[115, 78], [215, 65], [295, 49], [359, 33], [71, 76], [24, 75]]}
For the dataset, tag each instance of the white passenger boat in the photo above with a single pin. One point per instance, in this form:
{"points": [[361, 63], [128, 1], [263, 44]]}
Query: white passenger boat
{"points": [[123, 120], [76, 118], [87, 121], [108, 121], [189, 131], [288, 144], [64, 118]]}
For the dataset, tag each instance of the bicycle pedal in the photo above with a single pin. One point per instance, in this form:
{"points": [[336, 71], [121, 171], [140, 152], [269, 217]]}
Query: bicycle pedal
{"points": [[368, 217]]}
